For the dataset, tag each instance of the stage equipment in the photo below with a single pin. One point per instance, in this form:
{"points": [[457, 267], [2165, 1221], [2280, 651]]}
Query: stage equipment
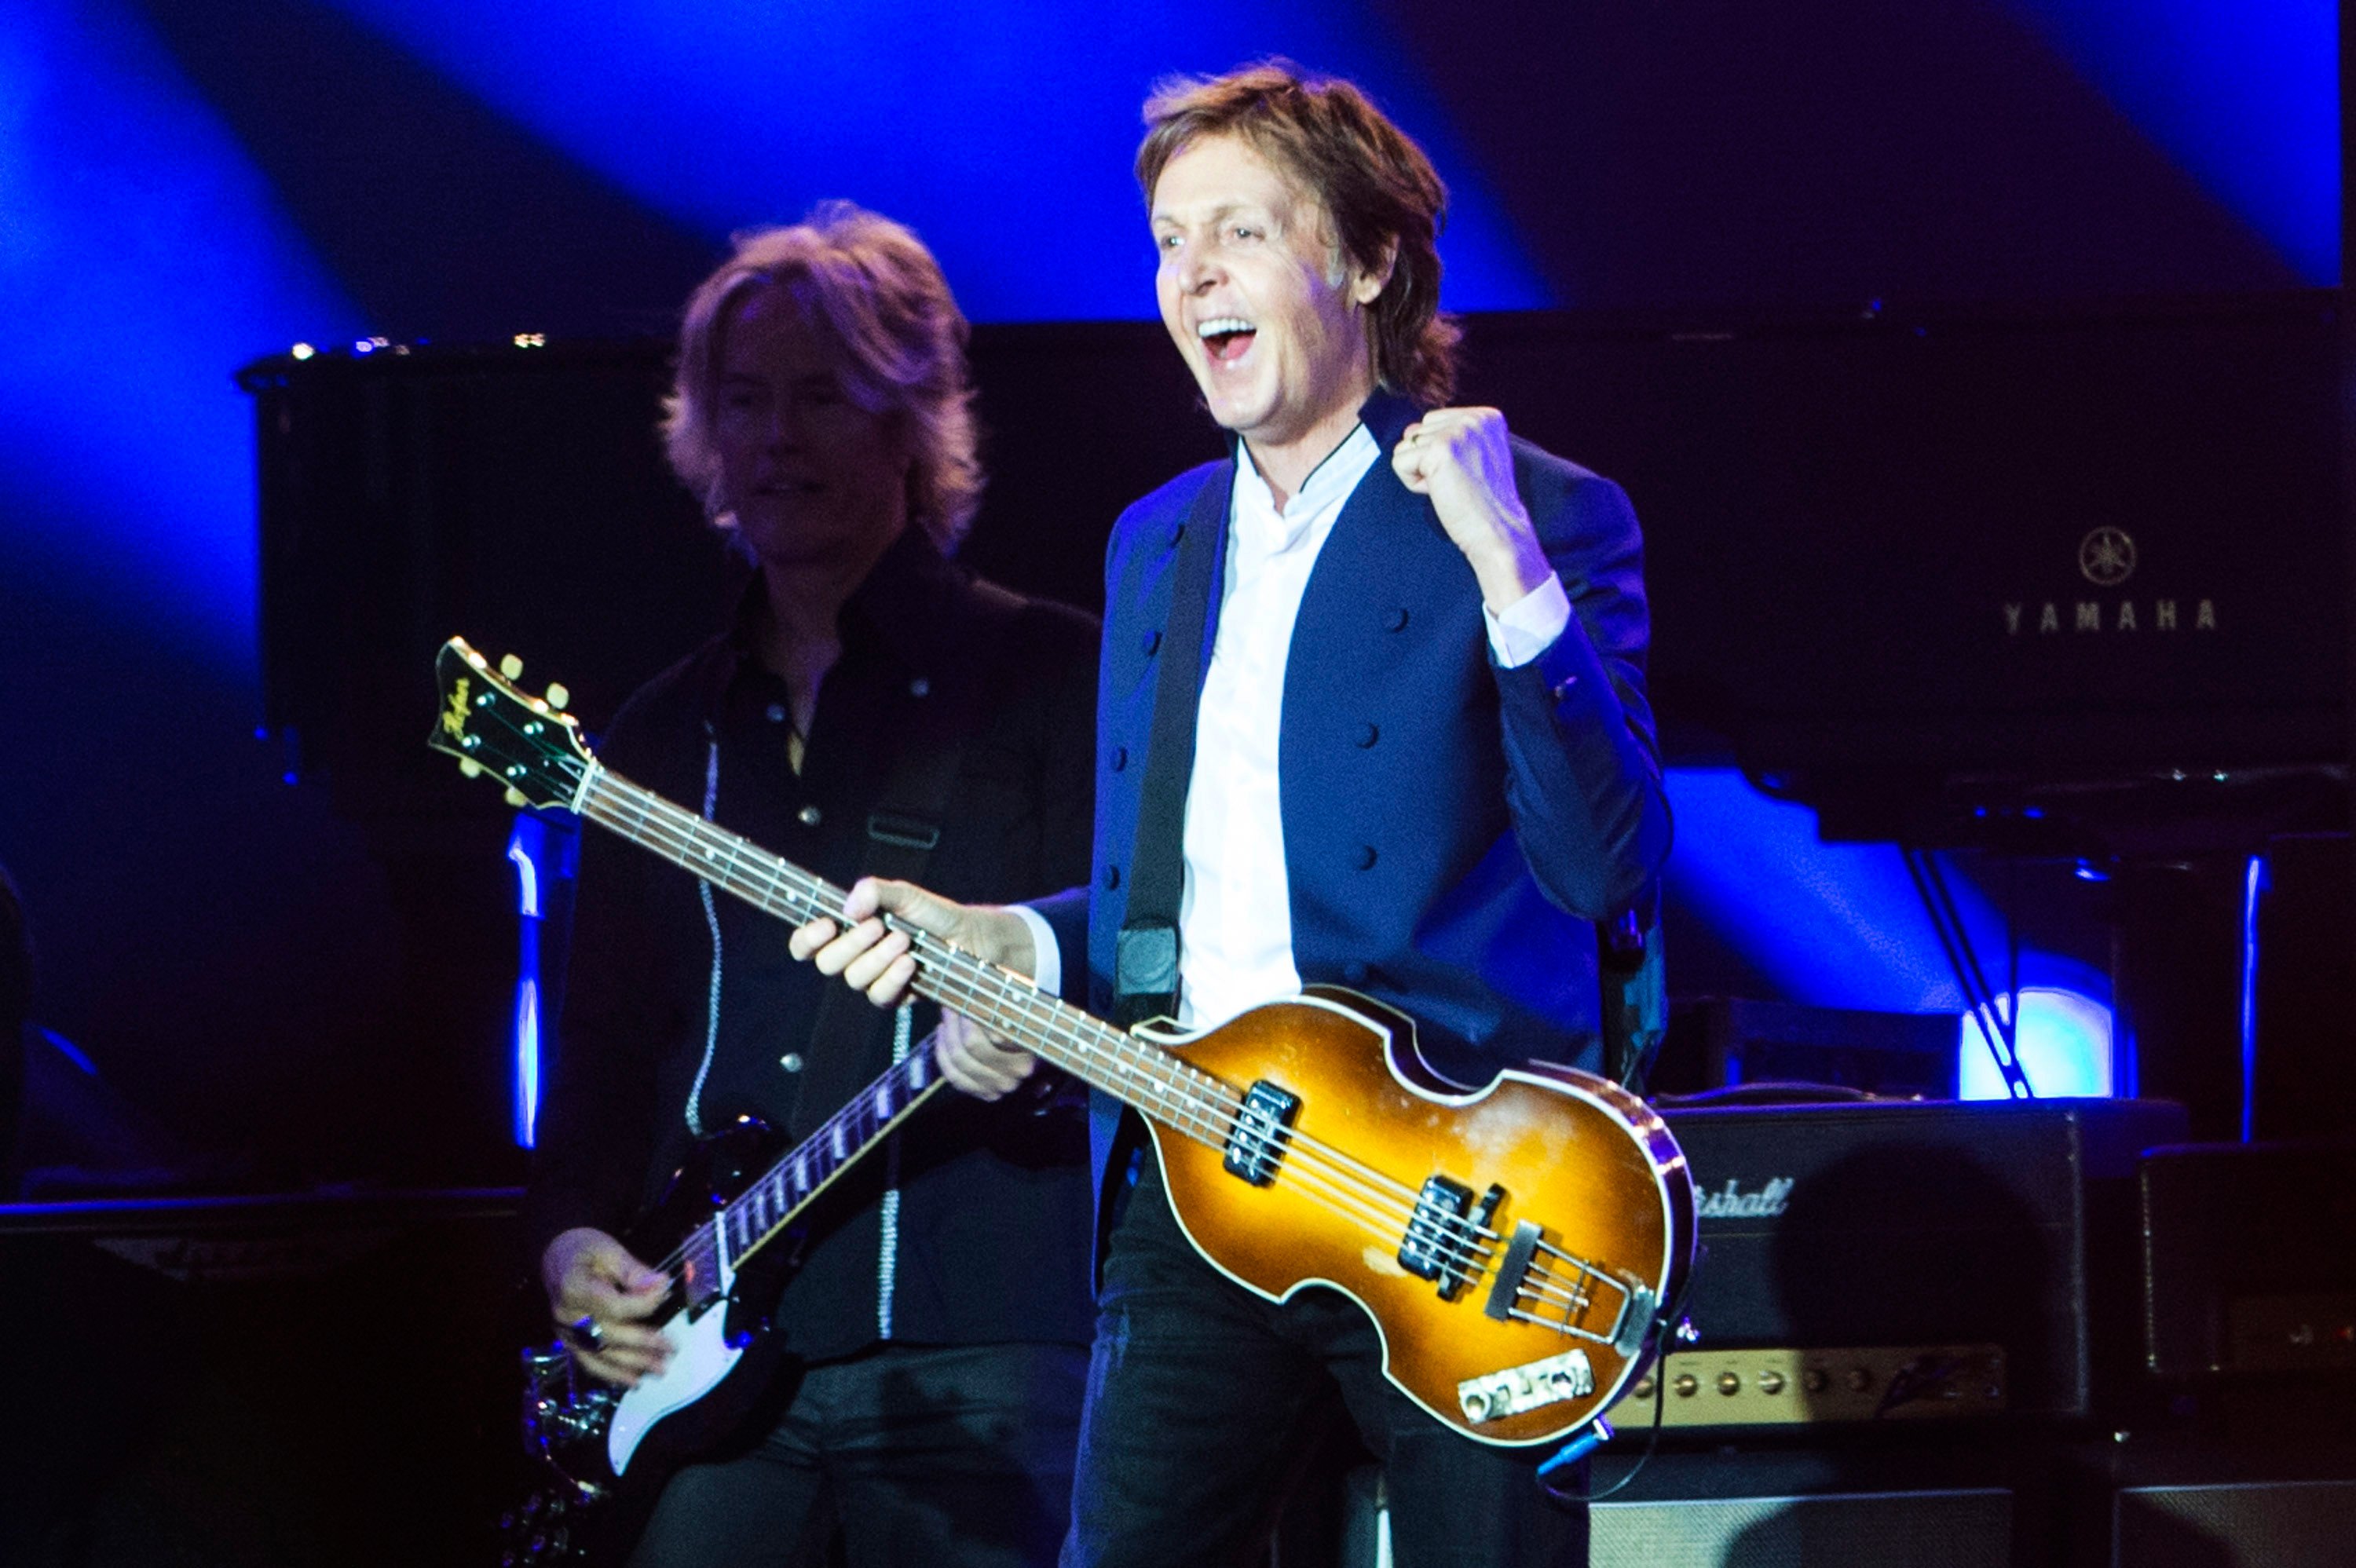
{"points": [[2249, 1261], [310, 1379], [1783, 1387], [1999, 1235], [1721, 1042]]}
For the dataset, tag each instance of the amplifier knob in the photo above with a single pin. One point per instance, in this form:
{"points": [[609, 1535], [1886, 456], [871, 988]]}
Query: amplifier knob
{"points": [[1686, 1385], [1815, 1380], [1771, 1382], [1858, 1379], [1643, 1389], [1730, 1382]]}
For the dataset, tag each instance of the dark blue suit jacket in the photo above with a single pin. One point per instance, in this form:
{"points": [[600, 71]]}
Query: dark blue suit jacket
{"points": [[1452, 829]]}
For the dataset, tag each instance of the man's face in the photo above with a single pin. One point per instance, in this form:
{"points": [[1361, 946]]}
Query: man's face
{"points": [[811, 475], [1268, 317]]}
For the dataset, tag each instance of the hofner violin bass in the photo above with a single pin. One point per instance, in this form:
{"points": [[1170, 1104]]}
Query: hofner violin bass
{"points": [[1517, 1244]]}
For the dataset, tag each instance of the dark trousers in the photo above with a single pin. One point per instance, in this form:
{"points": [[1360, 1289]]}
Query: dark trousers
{"points": [[952, 1454], [1204, 1399]]}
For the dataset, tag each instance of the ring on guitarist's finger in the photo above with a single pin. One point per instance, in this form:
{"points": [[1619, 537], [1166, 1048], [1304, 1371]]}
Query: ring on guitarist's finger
{"points": [[586, 1334]]}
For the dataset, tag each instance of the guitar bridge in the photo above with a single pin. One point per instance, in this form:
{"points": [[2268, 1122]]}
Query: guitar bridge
{"points": [[1256, 1145]]}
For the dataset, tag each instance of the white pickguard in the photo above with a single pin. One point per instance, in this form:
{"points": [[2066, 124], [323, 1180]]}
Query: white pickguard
{"points": [[699, 1357]]}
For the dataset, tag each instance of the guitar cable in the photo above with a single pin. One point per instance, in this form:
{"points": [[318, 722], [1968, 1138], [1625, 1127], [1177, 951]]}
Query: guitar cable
{"points": [[1572, 1451]]}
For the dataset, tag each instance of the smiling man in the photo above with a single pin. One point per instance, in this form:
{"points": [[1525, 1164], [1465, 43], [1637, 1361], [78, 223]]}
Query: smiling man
{"points": [[1418, 762]]}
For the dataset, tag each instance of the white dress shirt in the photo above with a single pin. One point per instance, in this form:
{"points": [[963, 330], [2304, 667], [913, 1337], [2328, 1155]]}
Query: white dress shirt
{"points": [[1234, 918]]}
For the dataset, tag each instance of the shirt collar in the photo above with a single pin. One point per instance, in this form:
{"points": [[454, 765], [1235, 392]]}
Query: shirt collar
{"points": [[912, 605], [1328, 485]]}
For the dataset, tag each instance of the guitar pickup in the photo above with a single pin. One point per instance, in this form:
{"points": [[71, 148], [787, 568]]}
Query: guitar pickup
{"points": [[1256, 1144], [1434, 1246]]}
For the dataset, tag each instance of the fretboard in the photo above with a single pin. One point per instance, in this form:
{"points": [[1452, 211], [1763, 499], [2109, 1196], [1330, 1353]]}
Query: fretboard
{"points": [[1160, 1086]]}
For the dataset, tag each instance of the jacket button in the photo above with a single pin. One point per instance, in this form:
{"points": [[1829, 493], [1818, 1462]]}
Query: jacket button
{"points": [[1562, 687], [791, 1061], [1120, 758], [777, 712], [1395, 619], [1152, 641], [1365, 857], [808, 816], [1368, 735], [1112, 878]]}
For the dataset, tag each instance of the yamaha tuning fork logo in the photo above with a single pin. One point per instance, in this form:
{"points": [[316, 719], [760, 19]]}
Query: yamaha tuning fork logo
{"points": [[2107, 558]]}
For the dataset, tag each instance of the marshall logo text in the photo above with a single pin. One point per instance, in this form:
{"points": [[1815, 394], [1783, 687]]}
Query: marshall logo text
{"points": [[1732, 1202]]}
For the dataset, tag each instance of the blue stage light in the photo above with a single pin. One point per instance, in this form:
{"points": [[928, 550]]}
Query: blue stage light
{"points": [[525, 848], [142, 261], [2243, 94], [1840, 925], [2064, 1045], [1002, 133]]}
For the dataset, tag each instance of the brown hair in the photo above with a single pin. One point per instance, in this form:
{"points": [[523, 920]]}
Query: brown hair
{"points": [[1376, 187], [871, 286]]}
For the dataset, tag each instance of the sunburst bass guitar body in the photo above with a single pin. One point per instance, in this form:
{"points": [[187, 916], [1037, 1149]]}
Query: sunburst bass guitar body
{"points": [[1516, 1245]]}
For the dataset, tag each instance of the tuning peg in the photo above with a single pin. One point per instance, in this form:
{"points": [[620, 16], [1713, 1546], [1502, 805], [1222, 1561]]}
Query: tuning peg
{"points": [[511, 667], [516, 797], [557, 696], [471, 768]]}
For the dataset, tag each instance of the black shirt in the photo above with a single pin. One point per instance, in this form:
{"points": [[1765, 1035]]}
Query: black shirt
{"points": [[971, 1226]]}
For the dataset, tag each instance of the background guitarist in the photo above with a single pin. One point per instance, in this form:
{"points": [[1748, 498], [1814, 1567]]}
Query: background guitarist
{"points": [[867, 696], [1421, 762]]}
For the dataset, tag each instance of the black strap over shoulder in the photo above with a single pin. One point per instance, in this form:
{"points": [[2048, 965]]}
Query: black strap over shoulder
{"points": [[1145, 972], [904, 827]]}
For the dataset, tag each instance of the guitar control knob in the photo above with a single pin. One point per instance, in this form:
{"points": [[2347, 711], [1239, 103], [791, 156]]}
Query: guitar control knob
{"points": [[511, 666], [557, 696]]}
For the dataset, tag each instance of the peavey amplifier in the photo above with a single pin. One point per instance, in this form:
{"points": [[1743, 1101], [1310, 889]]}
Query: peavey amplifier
{"points": [[1908, 1223]]}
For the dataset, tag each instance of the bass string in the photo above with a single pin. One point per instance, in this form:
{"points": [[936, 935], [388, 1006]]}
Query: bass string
{"points": [[1203, 1109], [1348, 1185], [1207, 1116]]}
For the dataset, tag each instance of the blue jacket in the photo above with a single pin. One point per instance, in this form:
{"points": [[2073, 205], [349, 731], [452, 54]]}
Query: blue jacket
{"points": [[1452, 829]]}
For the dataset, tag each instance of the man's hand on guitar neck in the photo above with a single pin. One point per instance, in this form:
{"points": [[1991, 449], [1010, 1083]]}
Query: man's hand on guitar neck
{"points": [[875, 959], [592, 1278]]}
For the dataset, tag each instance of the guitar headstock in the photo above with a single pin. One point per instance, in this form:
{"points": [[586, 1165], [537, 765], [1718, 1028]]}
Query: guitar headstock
{"points": [[491, 727]]}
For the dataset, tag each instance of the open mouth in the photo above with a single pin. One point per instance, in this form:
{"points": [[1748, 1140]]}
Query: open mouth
{"points": [[1226, 338]]}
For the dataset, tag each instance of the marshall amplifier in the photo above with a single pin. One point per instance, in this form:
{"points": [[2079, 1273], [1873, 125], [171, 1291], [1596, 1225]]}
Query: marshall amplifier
{"points": [[1996, 1237]]}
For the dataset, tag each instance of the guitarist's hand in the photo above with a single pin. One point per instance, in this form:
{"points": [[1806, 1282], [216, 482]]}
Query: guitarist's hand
{"points": [[874, 959], [588, 1274]]}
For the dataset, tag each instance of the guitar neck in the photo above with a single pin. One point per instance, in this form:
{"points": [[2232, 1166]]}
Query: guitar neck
{"points": [[1138, 1073]]}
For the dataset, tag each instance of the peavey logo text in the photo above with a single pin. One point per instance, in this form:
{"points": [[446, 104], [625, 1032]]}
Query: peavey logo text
{"points": [[1733, 1203], [2107, 558]]}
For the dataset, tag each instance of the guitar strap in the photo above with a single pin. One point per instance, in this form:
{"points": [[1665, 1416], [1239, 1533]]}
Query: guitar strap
{"points": [[903, 829], [1145, 955]]}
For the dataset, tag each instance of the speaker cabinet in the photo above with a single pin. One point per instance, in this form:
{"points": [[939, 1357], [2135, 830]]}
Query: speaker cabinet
{"points": [[258, 1381]]}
